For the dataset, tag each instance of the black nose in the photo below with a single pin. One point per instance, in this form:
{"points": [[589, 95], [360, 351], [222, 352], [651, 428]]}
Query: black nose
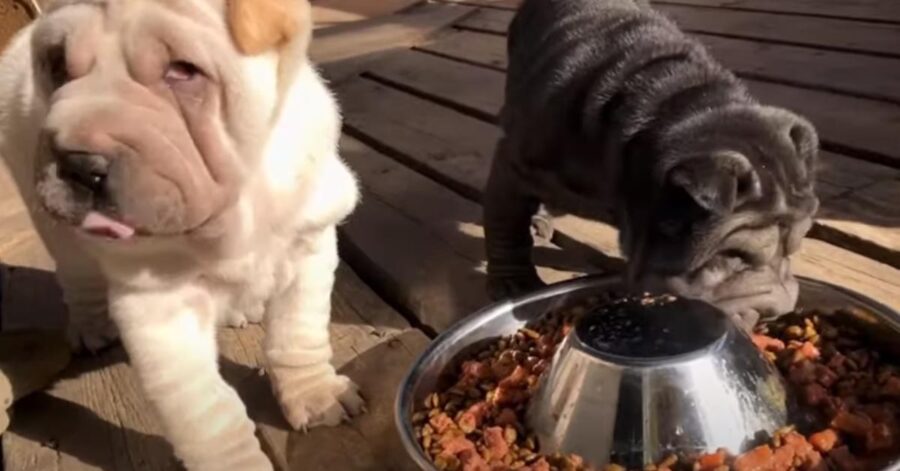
{"points": [[86, 170]]}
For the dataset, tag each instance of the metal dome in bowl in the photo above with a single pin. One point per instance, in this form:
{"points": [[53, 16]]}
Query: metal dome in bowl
{"points": [[649, 376]]}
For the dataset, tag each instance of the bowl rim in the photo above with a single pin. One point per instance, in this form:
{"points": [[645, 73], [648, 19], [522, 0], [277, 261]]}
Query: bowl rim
{"points": [[403, 417]]}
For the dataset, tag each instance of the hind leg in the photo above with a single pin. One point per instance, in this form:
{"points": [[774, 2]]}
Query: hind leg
{"points": [[508, 212]]}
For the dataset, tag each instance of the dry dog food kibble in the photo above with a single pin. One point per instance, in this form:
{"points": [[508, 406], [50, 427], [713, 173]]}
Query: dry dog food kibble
{"points": [[477, 422]]}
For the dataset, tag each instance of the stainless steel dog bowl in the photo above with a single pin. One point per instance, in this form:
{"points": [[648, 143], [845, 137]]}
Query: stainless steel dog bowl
{"points": [[636, 381], [881, 324]]}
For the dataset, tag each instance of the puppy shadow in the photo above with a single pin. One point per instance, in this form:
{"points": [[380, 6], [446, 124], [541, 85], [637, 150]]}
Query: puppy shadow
{"points": [[97, 433], [30, 299]]}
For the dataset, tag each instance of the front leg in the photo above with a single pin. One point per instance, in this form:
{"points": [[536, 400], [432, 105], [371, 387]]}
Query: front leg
{"points": [[297, 343], [170, 340], [508, 212]]}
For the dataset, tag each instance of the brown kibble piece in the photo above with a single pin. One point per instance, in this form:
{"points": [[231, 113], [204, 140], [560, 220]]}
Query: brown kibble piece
{"points": [[853, 424], [825, 440], [711, 461], [441, 423], [757, 459], [879, 438], [764, 342], [495, 443], [517, 379], [844, 460], [809, 351], [473, 417], [891, 388], [472, 461], [814, 394], [455, 445], [506, 416], [476, 370]]}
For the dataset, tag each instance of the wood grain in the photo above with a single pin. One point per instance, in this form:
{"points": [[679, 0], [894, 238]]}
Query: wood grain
{"points": [[863, 127], [869, 10], [344, 49], [848, 35], [828, 33], [867, 220]]}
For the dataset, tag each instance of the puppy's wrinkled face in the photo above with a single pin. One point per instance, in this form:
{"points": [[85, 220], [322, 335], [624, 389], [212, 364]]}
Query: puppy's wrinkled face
{"points": [[734, 197], [153, 116]]}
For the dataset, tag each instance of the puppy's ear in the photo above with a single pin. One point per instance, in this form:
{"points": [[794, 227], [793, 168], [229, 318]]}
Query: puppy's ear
{"points": [[258, 26], [806, 143], [718, 183]]}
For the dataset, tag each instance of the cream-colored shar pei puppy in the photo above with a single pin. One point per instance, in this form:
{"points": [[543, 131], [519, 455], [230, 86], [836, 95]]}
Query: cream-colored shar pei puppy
{"points": [[179, 160]]}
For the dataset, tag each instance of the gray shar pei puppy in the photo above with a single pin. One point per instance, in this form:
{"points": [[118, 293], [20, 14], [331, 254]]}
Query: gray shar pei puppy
{"points": [[612, 113]]}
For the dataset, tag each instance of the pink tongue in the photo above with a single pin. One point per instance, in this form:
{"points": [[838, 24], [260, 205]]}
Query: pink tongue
{"points": [[98, 224]]}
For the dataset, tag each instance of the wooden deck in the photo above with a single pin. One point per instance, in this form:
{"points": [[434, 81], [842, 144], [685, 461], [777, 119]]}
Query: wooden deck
{"points": [[420, 112]]}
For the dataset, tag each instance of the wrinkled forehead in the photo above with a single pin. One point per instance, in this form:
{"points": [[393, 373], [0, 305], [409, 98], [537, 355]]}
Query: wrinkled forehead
{"points": [[146, 33], [112, 8]]}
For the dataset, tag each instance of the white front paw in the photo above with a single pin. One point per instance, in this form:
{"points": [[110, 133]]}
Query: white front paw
{"points": [[321, 400], [234, 318], [91, 333], [239, 318]]}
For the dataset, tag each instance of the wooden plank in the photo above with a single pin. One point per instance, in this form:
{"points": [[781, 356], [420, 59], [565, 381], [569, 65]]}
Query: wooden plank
{"points": [[96, 417], [345, 48], [450, 238], [488, 20], [848, 124], [440, 142], [499, 4], [475, 90], [867, 220], [848, 35], [848, 174], [869, 10], [18, 243], [328, 13], [860, 127], [377, 242], [823, 261], [423, 74], [841, 72], [366, 116]]}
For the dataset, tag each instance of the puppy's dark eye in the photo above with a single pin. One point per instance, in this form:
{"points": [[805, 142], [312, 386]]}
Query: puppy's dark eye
{"points": [[55, 63], [181, 71]]}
